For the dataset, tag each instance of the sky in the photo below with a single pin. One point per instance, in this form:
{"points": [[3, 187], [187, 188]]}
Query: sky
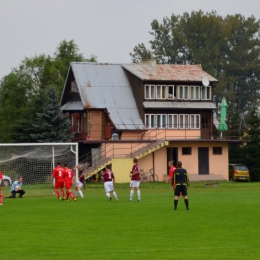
{"points": [[108, 29]]}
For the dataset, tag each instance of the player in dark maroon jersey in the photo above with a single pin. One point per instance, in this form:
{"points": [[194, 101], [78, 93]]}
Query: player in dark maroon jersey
{"points": [[69, 178], [109, 181], [135, 180], [81, 182], [58, 175]]}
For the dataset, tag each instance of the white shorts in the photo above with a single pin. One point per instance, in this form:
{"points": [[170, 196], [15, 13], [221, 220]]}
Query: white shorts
{"points": [[109, 186], [134, 184], [79, 184]]}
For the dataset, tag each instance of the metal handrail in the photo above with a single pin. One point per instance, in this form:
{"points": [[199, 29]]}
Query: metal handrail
{"points": [[155, 137]]}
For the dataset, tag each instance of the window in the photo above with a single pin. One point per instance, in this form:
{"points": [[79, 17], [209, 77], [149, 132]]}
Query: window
{"points": [[76, 122], [194, 92], [194, 121], [173, 121], [217, 150], [164, 92], [149, 92], [161, 92], [150, 121], [161, 121], [183, 121], [186, 150], [183, 92], [206, 93], [171, 92], [74, 87]]}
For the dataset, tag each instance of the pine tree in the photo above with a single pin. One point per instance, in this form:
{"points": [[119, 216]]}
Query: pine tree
{"points": [[50, 124]]}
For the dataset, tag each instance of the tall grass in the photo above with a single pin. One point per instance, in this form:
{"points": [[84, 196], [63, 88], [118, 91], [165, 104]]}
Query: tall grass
{"points": [[222, 224]]}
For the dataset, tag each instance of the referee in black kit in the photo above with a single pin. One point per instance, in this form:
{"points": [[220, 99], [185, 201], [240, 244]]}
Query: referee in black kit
{"points": [[180, 184]]}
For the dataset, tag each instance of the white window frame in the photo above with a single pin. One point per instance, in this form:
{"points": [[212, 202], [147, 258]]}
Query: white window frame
{"points": [[194, 121], [195, 92], [183, 121], [158, 91], [173, 120], [205, 93], [183, 92], [161, 120], [149, 92], [161, 91], [150, 121]]}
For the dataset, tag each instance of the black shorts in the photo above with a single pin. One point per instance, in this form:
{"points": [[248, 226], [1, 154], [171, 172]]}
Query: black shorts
{"points": [[180, 189]]}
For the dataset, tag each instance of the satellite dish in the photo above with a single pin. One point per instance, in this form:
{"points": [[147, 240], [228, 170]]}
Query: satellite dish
{"points": [[205, 82]]}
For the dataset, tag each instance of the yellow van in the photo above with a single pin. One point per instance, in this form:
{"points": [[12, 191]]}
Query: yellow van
{"points": [[238, 172]]}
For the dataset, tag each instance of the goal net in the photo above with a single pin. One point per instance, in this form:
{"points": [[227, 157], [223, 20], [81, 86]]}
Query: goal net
{"points": [[35, 162]]}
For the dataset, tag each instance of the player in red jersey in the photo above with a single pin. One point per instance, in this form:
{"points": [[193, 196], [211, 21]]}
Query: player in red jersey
{"points": [[171, 173], [109, 182], [2, 184], [135, 180], [171, 170], [69, 178], [58, 175]]}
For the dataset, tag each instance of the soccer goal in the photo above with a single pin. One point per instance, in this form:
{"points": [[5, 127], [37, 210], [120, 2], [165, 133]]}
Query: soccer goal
{"points": [[35, 162]]}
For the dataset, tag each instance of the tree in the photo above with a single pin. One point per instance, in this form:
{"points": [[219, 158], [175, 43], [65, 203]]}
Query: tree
{"points": [[227, 48], [19, 90], [51, 125], [15, 96], [251, 151]]}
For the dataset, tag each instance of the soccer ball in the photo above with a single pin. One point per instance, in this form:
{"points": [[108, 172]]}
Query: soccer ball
{"points": [[17, 187]]}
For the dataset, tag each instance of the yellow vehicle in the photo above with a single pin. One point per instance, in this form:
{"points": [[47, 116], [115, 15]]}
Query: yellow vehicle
{"points": [[238, 172]]}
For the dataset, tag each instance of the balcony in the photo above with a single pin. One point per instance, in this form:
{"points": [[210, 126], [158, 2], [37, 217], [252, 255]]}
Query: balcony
{"points": [[205, 132]]}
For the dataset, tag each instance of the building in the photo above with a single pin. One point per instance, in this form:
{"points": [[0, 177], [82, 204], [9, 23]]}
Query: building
{"points": [[150, 111]]}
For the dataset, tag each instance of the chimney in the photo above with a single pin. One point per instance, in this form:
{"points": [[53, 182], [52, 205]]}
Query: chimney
{"points": [[150, 62]]}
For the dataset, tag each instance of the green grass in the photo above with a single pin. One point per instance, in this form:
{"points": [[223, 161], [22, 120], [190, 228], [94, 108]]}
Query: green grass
{"points": [[223, 223]]}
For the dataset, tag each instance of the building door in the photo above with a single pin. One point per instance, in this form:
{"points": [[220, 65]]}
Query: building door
{"points": [[203, 160], [172, 154]]}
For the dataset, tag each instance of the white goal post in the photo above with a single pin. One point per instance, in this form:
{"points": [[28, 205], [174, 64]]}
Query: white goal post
{"points": [[35, 162]]}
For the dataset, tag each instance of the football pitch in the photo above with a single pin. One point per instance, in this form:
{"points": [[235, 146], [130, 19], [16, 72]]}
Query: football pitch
{"points": [[223, 223]]}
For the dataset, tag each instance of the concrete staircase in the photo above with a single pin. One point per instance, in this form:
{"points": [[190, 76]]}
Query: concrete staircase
{"points": [[102, 162], [150, 148]]}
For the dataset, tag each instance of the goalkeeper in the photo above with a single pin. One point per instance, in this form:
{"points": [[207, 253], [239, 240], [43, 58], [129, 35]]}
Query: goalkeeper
{"points": [[17, 188]]}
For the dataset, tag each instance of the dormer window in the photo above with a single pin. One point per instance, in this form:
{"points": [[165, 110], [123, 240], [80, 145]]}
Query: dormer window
{"points": [[159, 92], [181, 92]]}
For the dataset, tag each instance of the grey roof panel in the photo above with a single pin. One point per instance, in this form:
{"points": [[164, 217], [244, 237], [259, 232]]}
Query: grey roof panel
{"points": [[179, 105], [106, 86]]}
